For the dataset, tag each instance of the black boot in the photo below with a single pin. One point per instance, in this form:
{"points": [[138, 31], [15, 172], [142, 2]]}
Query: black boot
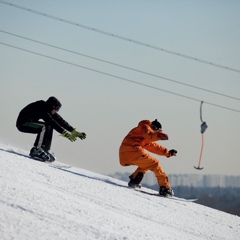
{"points": [[166, 192], [135, 182], [52, 158], [39, 154]]}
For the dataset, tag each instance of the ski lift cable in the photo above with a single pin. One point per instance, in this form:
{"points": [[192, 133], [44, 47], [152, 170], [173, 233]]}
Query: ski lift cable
{"points": [[119, 65], [121, 37], [118, 77], [201, 111]]}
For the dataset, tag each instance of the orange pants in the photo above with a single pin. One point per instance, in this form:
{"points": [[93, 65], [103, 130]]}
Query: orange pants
{"points": [[145, 162]]}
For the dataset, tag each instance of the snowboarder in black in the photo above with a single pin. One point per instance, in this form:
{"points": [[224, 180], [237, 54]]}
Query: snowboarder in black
{"points": [[28, 122]]}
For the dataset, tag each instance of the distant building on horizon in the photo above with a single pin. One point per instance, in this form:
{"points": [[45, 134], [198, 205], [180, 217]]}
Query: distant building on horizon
{"points": [[190, 180], [194, 180]]}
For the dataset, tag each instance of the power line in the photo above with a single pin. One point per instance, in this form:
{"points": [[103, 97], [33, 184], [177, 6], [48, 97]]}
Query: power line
{"points": [[119, 65], [121, 78], [121, 37]]}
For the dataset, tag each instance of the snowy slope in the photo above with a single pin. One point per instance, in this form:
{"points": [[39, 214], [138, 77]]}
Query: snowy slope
{"points": [[38, 201]]}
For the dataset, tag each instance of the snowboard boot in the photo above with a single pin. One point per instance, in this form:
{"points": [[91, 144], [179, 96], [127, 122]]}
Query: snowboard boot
{"points": [[39, 154], [135, 182], [166, 192], [52, 158]]}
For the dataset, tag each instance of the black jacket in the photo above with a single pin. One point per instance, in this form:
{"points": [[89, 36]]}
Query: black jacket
{"points": [[42, 110]]}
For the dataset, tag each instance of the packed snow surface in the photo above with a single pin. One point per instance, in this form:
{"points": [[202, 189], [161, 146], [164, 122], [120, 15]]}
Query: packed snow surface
{"points": [[41, 201]]}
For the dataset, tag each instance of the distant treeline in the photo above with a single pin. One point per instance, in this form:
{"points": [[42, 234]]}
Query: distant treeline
{"points": [[223, 199]]}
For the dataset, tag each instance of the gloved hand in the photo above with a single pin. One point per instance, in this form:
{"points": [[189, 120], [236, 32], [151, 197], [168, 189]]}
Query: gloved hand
{"points": [[172, 152], [162, 136], [81, 135], [69, 136]]}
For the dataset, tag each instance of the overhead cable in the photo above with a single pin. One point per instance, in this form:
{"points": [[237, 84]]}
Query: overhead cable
{"points": [[119, 65], [121, 37], [121, 78]]}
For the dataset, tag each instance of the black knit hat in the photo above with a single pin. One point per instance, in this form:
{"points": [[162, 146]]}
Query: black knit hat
{"points": [[53, 103], [156, 125]]}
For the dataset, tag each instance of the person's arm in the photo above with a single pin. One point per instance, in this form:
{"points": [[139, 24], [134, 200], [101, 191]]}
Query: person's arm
{"points": [[160, 150], [153, 135], [157, 149]]}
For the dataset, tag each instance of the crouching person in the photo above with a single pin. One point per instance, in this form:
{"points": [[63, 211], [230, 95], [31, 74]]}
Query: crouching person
{"points": [[28, 122], [134, 151]]}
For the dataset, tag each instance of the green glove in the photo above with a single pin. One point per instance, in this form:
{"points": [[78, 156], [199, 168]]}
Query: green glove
{"points": [[69, 136], [81, 135]]}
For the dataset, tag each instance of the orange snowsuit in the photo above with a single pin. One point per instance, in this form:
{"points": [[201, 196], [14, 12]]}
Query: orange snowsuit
{"points": [[132, 151]]}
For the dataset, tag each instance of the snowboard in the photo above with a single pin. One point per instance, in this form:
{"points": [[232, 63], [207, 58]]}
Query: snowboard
{"points": [[54, 164], [166, 197]]}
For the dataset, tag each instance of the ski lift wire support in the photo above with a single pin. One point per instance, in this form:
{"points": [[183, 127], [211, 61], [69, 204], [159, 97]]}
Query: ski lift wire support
{"points": [[203, 129]]}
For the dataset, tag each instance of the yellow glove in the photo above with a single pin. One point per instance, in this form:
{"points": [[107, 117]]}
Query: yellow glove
{"points": [[76, 134], [69, 136]]}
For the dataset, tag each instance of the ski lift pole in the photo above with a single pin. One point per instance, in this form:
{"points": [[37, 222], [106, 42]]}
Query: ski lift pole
{"points": [[203, 129]]}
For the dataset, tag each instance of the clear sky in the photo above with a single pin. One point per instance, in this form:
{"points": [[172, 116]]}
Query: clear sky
{"points": [[106, 108]]}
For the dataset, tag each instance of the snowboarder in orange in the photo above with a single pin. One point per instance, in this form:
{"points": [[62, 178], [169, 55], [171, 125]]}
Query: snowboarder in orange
{"points": [[133, 152]]}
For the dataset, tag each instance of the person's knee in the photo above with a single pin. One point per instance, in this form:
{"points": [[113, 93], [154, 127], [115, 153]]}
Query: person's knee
{"points": [[124, 164], [153, 161]]}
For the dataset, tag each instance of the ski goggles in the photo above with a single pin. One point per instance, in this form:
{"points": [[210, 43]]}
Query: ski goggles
{"points": [[57, 108], [155, 127]]}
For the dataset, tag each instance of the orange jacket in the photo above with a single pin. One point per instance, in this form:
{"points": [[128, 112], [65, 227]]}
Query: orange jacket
{"points": [[140, 138]]}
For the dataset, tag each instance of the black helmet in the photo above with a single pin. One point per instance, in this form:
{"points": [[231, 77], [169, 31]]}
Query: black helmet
{"points": [[156, 125], [53, 103]]}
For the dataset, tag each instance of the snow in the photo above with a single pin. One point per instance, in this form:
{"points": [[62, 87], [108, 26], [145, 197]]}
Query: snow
{"points": [[39, 201]]}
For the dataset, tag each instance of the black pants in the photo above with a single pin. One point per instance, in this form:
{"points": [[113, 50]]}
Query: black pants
{"points": [[44, 133]]}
